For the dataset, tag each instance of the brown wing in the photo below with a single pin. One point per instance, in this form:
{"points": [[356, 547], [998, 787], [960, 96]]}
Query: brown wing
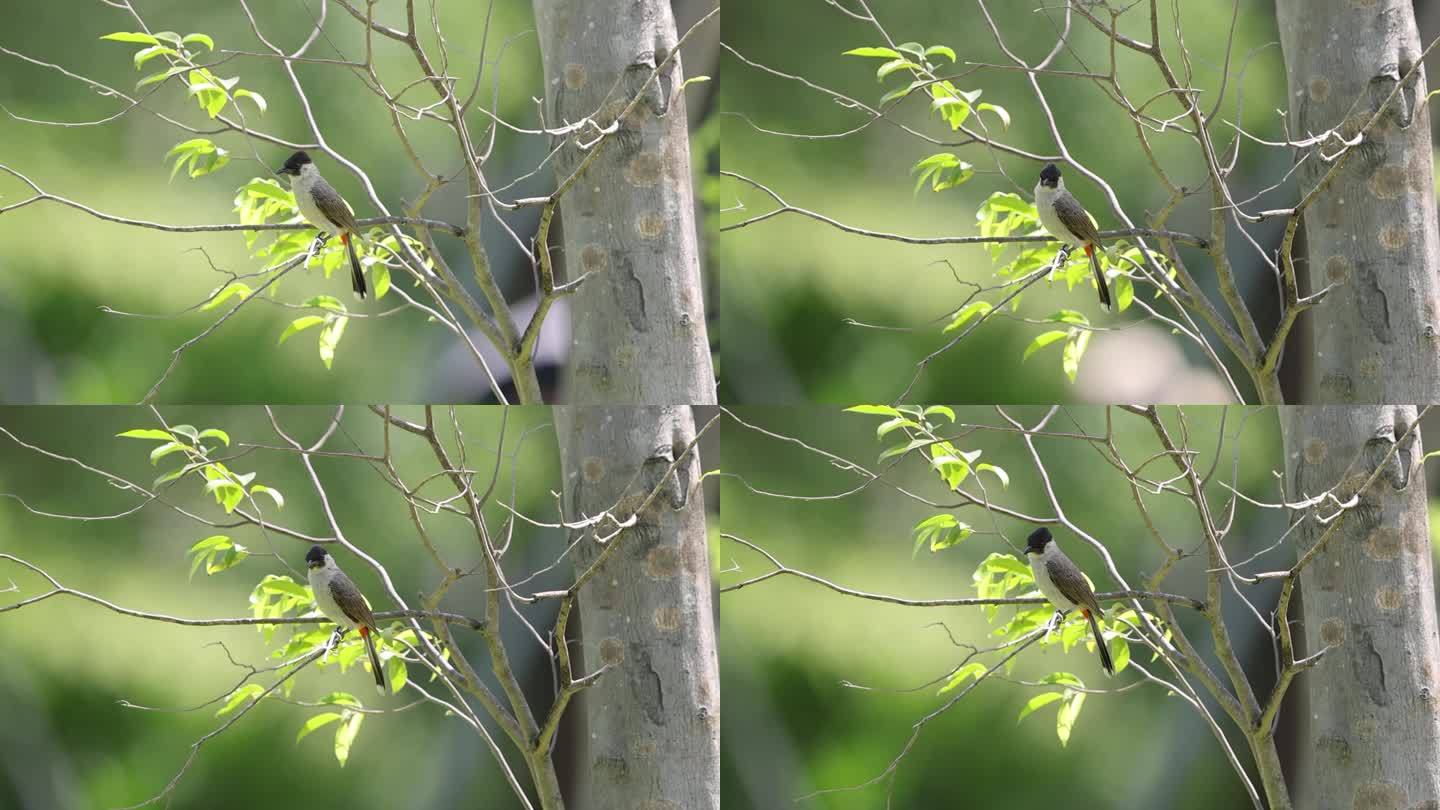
{"points": [[1070, 213], [1072, 583], [348, 597], [332, 206]]}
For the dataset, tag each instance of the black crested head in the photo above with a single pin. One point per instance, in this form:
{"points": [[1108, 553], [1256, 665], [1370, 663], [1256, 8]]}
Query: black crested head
{"points": [[292, 166], [316, 557], [1035, 544], [1049, 176]]}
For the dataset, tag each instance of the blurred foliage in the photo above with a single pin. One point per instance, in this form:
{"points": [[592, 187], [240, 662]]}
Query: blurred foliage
{"points": [[67, 664], [792, 285], [789, 647]]}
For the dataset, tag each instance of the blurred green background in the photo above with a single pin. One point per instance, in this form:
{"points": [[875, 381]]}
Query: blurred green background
{"points": [[60, 267], [66, 742], [790, 282], [789, 647]]}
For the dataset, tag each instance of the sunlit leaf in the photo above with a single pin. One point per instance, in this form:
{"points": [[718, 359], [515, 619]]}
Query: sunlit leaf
{"points": [[140, 38], [884, 53], [247, 692], [146, 433], [1039, 701], [318, 721]]}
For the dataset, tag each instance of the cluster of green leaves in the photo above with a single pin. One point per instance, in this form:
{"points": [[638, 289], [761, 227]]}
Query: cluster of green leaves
{"points": [[213, 93], [917, 64], [1004, 214], [1002, 575], [998, 576], [210, 91], [919, 433], [228, 487], [262, 201], [278, 596]]}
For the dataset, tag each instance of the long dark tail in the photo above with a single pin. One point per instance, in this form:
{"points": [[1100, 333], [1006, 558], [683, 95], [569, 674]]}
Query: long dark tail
{"points": [[1105, 660], [357, 278], [1099, 277], [375, 661]]}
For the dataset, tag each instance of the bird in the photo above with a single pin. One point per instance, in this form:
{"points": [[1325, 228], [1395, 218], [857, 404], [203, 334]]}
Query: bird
{"points": [[1061, 581], [322, 206], [1065, 218], [341, 602]]}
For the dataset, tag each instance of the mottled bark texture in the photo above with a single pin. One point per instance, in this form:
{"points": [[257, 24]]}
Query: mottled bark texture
{"points": [[1373, 231], [1372, 737], [653, 718], [629, 222]]}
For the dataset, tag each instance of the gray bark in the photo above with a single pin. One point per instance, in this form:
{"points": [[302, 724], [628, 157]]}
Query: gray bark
{"points": [[653, 718], [639, 333], [1373, 735], [1373, 231]]}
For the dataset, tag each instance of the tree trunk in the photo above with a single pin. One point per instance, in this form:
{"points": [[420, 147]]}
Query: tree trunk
{"points": [[1373, 737], [1373, 231], [638, 319], [654, 716]]}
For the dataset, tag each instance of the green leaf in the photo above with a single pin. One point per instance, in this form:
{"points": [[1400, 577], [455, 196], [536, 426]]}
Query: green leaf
{"points": [[940, 50], [894, 424], [1069, 316], [941, 532], [345, 735], [301, 324], [974, 669], [1005, 563], [999, 111], [1039, 701], [1074, 350], [248, 691], [165, 450], [215, 433], [900, 92], [340, 699], [1069, 711], [970, 310], [139, 38], [1119, 652], [902, 449], [942, 410], [1041, 341], [892, 66], [231, 289], [883, 53], [330, 338], [693, 80], [253, 96], [170, 37], [318, 721], [912, 48], [273, 493], [161, 76], [872, 410], [169, 476], [284, 586], [328, 302], [1007, 201], [995, 471], [229, 558], [269, 188], [203, 39], [146, 54], [146, 433], [1124, 291], [396, 673], [213, 542]]}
